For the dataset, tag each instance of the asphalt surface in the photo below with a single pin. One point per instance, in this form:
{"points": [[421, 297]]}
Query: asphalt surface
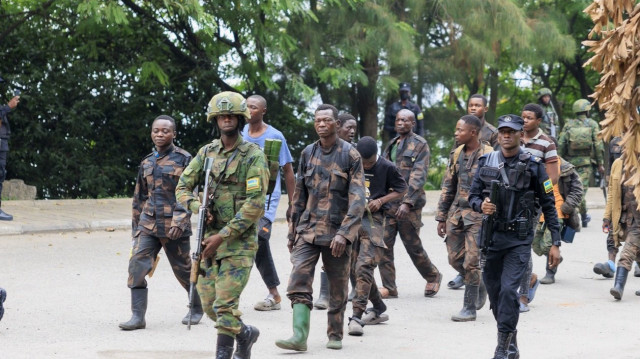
{"points": [[67, 293]]}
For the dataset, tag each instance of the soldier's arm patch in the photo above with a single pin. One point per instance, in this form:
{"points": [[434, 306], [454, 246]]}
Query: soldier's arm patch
{"points": [[548, 187], [253, 184], [420, 116]]}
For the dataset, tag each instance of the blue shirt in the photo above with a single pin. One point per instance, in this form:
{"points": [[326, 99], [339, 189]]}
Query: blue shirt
{"points": [[285, 157]]}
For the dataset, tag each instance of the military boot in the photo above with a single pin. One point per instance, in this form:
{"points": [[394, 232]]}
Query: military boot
{"points": [[196, 312], [323, 299], [138, 309], [504, 340], [4, 216], [482, 295], [512, 351], [619, 282], [246, 338], [298, 342], [468, 312], [224, 352]]}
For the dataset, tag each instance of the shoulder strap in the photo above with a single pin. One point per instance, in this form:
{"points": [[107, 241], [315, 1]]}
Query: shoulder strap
{"points": [[456, 153]]}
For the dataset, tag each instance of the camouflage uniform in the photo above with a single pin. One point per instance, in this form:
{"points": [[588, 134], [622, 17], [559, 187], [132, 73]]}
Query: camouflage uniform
{"points": [[412, 159], [549, 113], [236, 205], [329, 200], [579, 144], [155, 211], [630, 229], [489, 134], [463, 223]]}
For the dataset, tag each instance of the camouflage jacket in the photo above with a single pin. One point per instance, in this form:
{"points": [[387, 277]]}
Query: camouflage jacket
{"points": [[453, 204], [329, 198], [549, 114], [412, 160], [579, 143], [489, 134], [155, 209], [569, 184], [238, 201]]}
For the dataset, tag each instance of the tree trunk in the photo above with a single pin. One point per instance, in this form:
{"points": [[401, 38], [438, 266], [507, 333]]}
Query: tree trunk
{"points": [[493, 100], [367, 99]]}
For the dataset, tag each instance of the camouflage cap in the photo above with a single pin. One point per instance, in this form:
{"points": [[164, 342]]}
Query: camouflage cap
{"points": [[544, 91], [227, 102], [581, 105]]}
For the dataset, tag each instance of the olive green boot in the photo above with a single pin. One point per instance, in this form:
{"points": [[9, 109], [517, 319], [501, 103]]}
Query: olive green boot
{"points": [[298, 342]]}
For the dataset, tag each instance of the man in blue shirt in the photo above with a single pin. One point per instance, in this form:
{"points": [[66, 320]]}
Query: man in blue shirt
{"points": [[257, 131]]}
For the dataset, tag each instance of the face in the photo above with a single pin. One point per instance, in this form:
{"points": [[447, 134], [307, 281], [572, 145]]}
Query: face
{"points": [[531, 122], [476, 107], [404, 122], [508, 138], [324, 123], [546, 99], [348, 131], [228, 124], [162, 133], [367, 163], [405, 95], [257, 109], [464, 133]]}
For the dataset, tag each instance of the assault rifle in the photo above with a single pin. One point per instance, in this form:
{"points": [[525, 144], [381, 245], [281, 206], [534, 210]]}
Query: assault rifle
{"points": [[488, 220], [196, 256]]}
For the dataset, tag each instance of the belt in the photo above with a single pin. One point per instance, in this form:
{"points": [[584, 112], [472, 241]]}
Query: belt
{"points": [[505, 227]]}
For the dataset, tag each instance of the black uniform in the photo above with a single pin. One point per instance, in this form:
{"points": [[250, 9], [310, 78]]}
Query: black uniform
{"points": [[392, 111], [526, 189]]}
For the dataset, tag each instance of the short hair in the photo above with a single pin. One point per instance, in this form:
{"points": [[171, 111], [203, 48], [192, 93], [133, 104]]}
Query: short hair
{"points": [[344, 117], [480, 96], [326, 106], [535, 108], [472, 121], [259, 98], [367, 147], [168, 118]]}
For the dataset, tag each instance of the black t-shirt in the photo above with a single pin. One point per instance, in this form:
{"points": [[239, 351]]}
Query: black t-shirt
{"points": [[382, 178]]}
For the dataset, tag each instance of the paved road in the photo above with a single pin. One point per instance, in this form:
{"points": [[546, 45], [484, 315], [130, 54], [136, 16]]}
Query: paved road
{"points": [[67, 293]]}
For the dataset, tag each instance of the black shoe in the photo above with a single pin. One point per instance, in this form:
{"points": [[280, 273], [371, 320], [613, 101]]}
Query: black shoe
{"points": [[224, 352], [247, 337], [3, 297], [4, 216]]}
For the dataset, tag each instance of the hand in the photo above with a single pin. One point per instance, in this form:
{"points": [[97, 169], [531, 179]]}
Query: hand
{"points": [[209, 218], [601, 169], [211, 245], [487, 207], [175, 233], [442, 229], [554, 257], [606, 225], [338, 245], [403, 212], [374, 205], [13, 103], [567, 209]]}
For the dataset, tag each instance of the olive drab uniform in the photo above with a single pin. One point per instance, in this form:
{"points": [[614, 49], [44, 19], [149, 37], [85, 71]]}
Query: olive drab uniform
{"points": [[236, 205], [549, 116], [579, 144], [489, 134], [411, 156], [524, 188]]}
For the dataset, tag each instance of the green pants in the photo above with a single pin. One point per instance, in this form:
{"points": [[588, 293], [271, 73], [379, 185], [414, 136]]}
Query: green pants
{"points": [[220, 289], [584, 172]]}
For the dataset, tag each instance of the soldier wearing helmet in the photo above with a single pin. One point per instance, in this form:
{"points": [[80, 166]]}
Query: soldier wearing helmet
{"points": [[550, 119], [579, 144], [238, 185]]}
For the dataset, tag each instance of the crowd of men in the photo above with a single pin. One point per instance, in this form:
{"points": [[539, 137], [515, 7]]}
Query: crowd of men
{"points": [[348, 202]]}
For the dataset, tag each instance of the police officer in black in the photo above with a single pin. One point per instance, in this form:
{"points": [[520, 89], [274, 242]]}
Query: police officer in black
{"points": [[392, 111], [524, 188]]}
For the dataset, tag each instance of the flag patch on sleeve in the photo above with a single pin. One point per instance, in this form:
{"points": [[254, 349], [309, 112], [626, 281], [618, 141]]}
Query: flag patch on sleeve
{"points": [[548, 187], [253, 184]]}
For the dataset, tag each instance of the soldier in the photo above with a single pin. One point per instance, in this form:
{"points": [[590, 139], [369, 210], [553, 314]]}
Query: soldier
{"points": [[392, 111], [5, 133], [457, 222], [159, 221], [523, 182], [256, 131], [238, 187], [328, 205], [478, 106], [579, 144], [550, 119], [622, 220], [410, 153], [384, 184]]}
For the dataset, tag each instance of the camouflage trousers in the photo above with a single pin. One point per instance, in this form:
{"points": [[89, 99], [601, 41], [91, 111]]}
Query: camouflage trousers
{"points": [[220, 289], [462, 249], [367, 256], [611, 245], [144, 252], [584, 172], [409, 230], [631, 249], [304, 258]]}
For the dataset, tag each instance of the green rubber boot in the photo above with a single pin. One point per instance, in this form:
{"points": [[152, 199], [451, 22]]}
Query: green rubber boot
{"points": [[298, 342]]}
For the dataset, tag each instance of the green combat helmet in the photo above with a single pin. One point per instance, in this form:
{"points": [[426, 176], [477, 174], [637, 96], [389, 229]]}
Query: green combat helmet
{"points": [[581, 105], [228, 103], [544, 91]]}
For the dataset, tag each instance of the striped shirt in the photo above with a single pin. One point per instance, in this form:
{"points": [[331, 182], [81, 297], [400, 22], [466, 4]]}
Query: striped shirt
{"points": [[542, 146]]}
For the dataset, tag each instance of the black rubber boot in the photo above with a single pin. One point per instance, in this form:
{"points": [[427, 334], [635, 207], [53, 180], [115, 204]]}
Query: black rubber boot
{"points": [[138, 310], [619, 282], [504, 340], [246, 338], [550, 277], [3, 296], [513, 352], [224, 352], [482, 295], [323, 299], [468, 312], [196, 313]]}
